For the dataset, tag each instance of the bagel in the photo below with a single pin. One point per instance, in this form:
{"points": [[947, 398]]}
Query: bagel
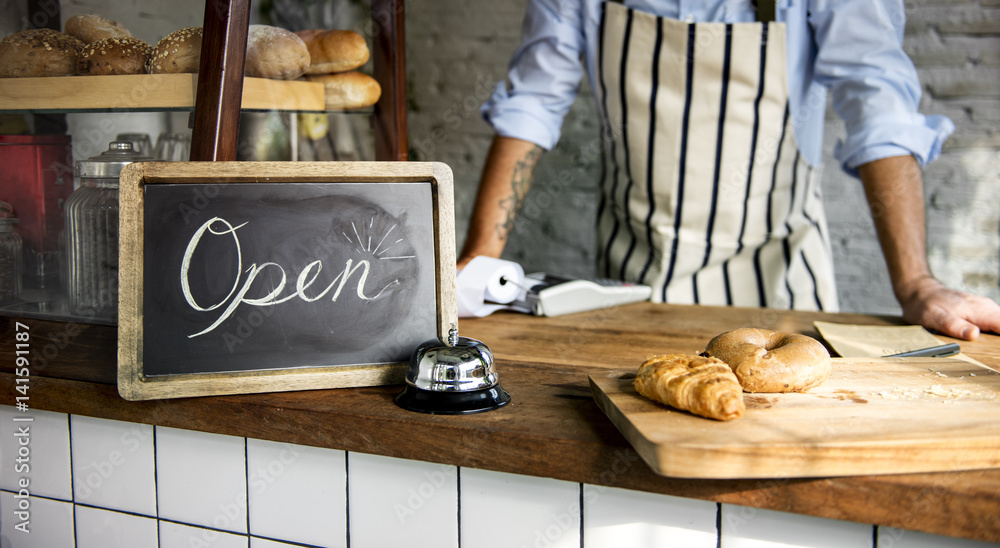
{"points": [[771, 361]]}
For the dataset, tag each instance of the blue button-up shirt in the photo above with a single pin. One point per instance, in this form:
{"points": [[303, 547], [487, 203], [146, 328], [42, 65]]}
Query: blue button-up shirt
{"points": [[850, 47]]}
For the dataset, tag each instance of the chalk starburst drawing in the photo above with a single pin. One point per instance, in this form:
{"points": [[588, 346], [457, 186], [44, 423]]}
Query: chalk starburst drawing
{"points": [[368, 240], [384, 245]]}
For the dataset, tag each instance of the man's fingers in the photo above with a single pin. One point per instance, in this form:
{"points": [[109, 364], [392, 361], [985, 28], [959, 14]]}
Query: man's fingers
{"points": [[958, 315], [952, 313], [984, 313], [952, 326]]}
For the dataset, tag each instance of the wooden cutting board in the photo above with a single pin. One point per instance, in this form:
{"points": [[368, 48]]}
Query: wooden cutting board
{"points": [[872, 416]]}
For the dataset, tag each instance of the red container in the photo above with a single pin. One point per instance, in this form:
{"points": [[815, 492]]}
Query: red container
{"points": [[36, 177]]}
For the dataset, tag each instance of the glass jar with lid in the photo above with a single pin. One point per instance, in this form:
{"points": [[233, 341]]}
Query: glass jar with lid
{"points": [[10, 256], [92, 232]]}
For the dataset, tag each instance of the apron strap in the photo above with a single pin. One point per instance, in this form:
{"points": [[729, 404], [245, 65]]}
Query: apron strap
{"points": [[765, 10]]}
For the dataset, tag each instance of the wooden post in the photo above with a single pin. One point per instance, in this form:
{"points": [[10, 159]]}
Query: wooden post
{"points": [[220, 80], [389, 60], [47, 15]]}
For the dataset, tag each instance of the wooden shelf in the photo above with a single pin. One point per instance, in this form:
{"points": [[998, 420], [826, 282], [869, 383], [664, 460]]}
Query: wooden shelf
{"points": [[149, 92]]}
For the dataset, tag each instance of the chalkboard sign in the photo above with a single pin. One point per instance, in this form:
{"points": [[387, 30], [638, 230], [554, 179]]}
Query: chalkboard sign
{"points": [[243, 277]]}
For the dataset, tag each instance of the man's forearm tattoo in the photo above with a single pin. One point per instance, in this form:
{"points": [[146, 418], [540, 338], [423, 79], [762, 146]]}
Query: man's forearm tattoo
{"points": [[520, 182]]}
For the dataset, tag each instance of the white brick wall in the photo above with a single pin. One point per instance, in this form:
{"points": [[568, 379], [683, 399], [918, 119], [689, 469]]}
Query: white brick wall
{"points": [[955, 46]]}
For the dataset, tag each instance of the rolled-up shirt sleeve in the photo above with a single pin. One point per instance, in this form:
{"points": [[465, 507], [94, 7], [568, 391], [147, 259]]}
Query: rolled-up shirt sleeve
{"points": [[873, 83], [544, 75]]}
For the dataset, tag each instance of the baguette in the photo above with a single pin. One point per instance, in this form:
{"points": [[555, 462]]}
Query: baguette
{"points": [[348, 90], [91, 27], [333, 51]]}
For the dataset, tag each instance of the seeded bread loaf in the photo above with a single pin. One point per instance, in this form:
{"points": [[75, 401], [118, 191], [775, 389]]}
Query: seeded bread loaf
{"points": [[114, 56], [177, 52], [38, 52]]}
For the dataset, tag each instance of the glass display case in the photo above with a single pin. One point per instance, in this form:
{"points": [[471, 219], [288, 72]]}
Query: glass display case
{"points": [[216, 97]]}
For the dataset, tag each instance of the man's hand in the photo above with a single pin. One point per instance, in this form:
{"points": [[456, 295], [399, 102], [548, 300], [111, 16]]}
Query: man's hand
{"points": [[929, 303], [894, 189]]}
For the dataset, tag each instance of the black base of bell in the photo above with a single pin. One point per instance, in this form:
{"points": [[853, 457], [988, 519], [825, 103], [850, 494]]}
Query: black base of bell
{"points": [[452, 403]]}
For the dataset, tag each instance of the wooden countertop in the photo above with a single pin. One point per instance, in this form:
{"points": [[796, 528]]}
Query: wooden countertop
{"points": [[552, 428]]}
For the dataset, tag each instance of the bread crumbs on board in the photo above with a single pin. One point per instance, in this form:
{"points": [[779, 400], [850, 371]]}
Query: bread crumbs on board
{"points": [[936, 390]]}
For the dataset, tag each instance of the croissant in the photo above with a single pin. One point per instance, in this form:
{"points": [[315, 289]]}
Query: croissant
{"points": [[703, 386]]}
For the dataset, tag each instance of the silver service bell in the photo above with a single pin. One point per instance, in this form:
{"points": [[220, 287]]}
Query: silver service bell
{"points": [[452, 378]]}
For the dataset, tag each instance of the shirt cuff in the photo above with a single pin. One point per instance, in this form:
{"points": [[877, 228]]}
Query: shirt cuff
{"points": [[896, 135], [511, 117]]}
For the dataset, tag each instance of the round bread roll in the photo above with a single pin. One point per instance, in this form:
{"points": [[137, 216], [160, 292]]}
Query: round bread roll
{"points": [[769, 361], [92, 27], [334, 50], [348, 90], [178, 52], [38, 52], [274, 52], [114, 56]]}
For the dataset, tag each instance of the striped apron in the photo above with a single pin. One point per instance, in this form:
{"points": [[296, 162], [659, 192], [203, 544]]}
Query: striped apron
{"points": [[704, 195]]}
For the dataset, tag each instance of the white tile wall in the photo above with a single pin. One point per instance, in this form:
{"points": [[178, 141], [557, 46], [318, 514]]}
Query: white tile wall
{"points": [[201, 479], [113, 464], [177, 535], [618, 517], [99, 528], [395, 502], [50, 523], [746, 527], [297, 493], [890, 537], [267, 543], [520, 511], [211, 490], [47, 458]]}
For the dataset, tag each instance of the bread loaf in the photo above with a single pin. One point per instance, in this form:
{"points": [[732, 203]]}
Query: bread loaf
{"points": [[334, 50], [274, 52], [38, 52], [114, 56], [177, 52], [92, 27], [348, 90]]}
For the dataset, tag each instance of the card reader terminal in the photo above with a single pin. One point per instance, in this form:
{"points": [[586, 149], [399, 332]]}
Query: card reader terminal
{"points": [[550, 295]]}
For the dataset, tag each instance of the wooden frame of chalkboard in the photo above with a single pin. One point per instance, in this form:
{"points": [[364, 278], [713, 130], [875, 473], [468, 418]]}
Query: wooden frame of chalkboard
{"points": [[249, 277]]}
